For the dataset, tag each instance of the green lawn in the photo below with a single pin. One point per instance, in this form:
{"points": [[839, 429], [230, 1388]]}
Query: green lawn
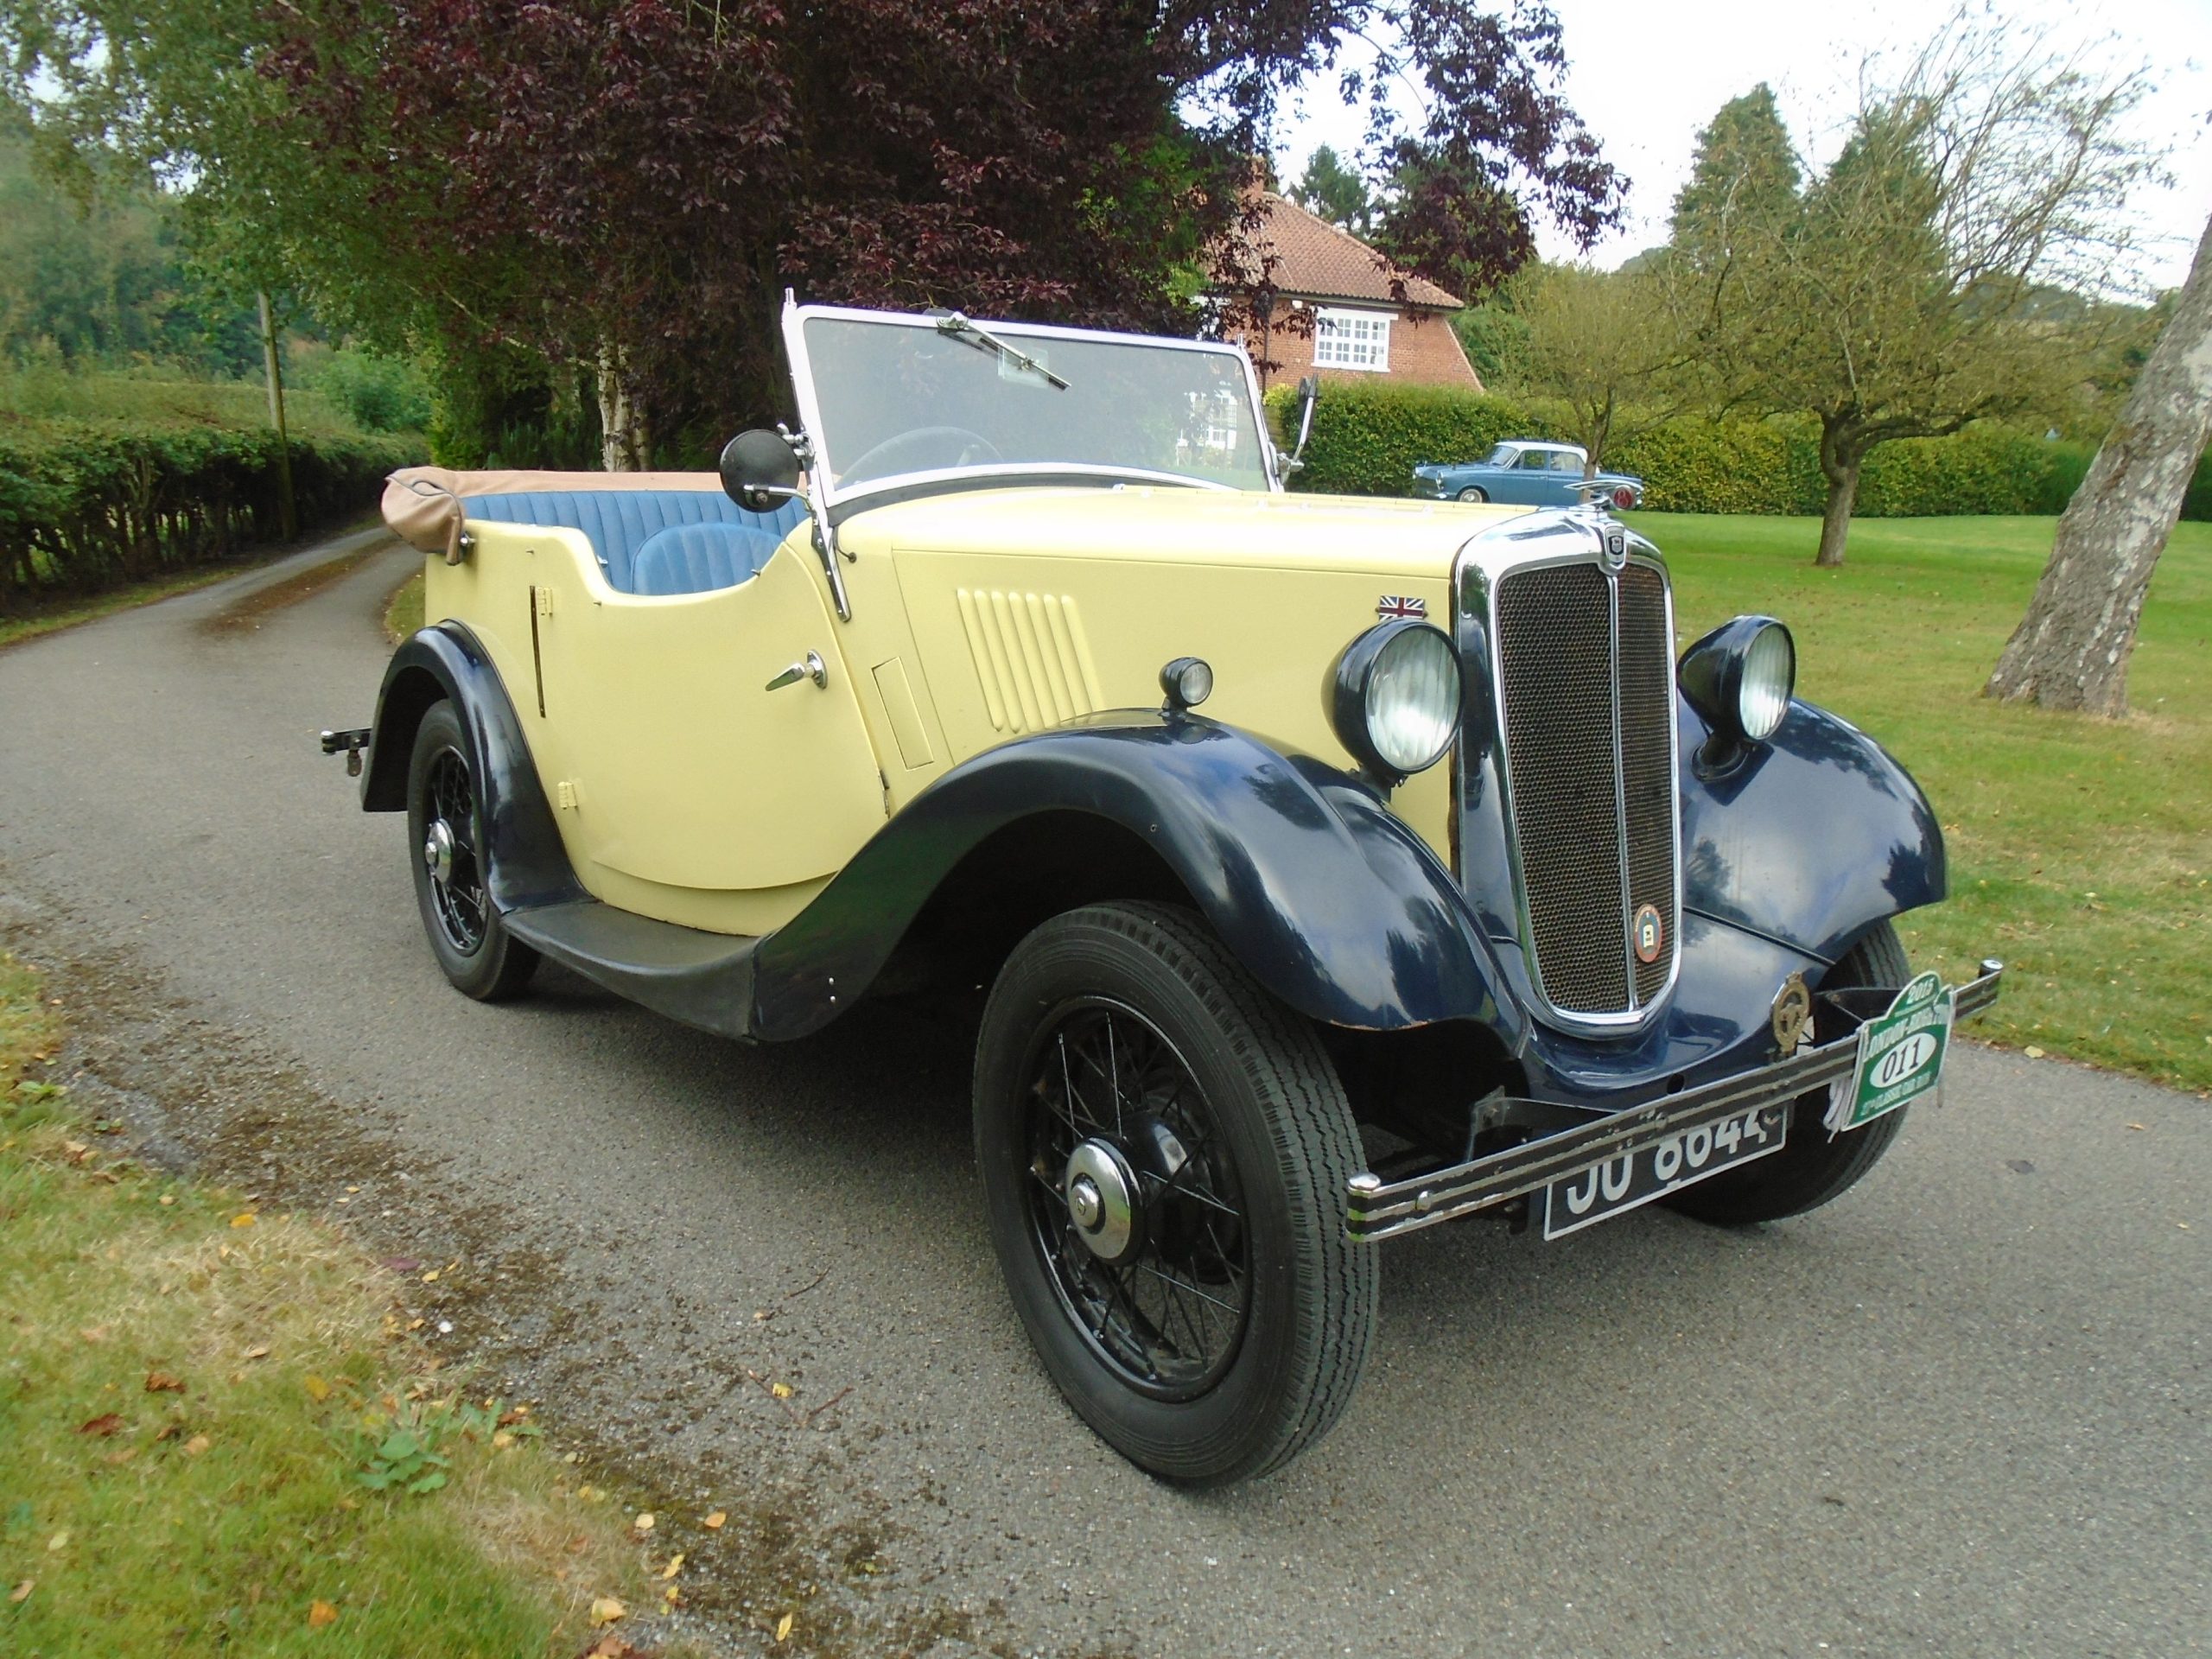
{"points": [[2080, 849], [192, 1390]]}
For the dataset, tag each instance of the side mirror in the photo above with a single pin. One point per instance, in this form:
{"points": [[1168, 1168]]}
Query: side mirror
{"points": [[758, 469]]}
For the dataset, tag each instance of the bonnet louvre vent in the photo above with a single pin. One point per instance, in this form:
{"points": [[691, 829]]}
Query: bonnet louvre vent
{"points": [[1031, 656]]}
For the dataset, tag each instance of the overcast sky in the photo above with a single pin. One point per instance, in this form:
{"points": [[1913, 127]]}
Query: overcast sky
{"points": [[1647, 75]]}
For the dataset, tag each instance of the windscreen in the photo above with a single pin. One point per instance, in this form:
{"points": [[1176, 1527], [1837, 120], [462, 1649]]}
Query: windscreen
{"points": [[897, 398], [1503, 456]]}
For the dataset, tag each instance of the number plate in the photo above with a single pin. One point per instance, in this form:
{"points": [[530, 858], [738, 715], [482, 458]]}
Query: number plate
{"points": [[1900, 1056], [1606, 1188]]}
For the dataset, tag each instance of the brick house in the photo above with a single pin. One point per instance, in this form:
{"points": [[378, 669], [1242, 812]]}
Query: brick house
{"points": [[1334, 309]]}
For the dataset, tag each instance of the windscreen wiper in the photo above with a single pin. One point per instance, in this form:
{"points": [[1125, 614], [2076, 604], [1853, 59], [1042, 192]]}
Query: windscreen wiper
{"points": [[957, 325]]}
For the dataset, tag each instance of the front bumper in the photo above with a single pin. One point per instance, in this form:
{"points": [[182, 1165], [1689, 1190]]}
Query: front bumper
{"points": [[1379, 1209]]}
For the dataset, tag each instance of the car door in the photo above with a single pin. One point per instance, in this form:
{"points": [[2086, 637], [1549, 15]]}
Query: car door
{"points": [[691, 762]]}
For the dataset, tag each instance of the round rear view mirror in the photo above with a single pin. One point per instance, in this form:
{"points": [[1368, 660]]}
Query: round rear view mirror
{"points": [[758, 469]]}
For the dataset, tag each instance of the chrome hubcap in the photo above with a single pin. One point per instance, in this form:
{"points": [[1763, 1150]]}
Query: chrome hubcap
{"points": [[437, 852], [1101, 1200]]}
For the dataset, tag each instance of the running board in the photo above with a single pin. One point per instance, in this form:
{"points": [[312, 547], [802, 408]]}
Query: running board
{"points": [[703, 979]]}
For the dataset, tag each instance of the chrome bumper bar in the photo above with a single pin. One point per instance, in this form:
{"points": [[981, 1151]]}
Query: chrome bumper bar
{"points": [[1379, 1209]]}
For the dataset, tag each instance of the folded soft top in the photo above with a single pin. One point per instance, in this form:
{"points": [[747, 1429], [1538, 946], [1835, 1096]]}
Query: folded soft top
{"points": [[422, 505]]}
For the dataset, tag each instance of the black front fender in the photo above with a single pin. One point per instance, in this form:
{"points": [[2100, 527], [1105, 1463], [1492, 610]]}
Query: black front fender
{"points": [[1809, 838], [1328, 898], [528, 865]]}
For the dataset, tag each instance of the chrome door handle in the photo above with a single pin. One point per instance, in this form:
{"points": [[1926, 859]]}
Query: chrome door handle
{"points": [[812, 669]]}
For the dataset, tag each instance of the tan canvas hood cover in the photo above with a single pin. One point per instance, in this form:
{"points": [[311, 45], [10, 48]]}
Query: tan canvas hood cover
{"points": [[422, 504]]}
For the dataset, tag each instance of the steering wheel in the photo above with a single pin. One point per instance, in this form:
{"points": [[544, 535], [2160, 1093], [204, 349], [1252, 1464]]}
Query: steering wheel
{"points": [[865, 468]]}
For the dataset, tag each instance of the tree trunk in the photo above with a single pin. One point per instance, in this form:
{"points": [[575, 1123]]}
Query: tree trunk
{"points": [[623, 440], [2071, 649], [1597, 439], [1840, 458], [288, 517]]}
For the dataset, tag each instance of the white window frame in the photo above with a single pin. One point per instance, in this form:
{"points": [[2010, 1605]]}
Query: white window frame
{"points": [[1347, 338]]}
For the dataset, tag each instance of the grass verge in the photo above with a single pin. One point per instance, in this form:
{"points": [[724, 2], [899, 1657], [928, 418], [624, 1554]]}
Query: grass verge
{"points": [[403, 612], [215, 1434], [2081, 849]]}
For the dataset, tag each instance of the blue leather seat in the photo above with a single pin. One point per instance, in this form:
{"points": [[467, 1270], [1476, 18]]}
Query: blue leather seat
{"points": [[699, 558], [620, 522]]}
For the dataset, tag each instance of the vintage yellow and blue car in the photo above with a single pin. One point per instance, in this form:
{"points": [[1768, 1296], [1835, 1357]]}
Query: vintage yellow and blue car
{"points": [[1316, 869]]}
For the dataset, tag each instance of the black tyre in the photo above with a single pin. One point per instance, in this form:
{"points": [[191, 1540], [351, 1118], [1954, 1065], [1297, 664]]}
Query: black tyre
{"points": [[1813, 1166], [1164, 1150], [1471, 493], [445, 832]]}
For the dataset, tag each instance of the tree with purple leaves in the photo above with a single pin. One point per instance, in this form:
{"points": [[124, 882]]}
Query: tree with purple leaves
{"points": [[619, 191]]}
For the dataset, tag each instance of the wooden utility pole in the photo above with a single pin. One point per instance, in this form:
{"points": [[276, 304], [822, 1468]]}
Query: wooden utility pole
{"points": [[287, 513], [2071, 649]]}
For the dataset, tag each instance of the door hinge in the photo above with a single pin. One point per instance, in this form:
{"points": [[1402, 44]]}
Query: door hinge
{"points": [[565, 795], [544, 597]]}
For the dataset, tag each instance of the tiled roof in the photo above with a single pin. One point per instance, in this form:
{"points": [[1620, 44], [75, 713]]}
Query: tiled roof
{"points": [[1314, 257]]}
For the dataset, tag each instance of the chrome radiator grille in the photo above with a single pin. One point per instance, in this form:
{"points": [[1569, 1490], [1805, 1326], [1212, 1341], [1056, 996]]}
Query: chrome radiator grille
{"points": [[1585, 702]]}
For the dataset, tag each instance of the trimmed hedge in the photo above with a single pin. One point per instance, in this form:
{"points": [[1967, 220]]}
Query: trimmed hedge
{"points": [[1367, 440], [86, 505]]}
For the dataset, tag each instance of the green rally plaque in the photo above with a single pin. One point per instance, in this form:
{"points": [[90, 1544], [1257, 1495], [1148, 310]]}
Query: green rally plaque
{"points": [[1900, 1055]]}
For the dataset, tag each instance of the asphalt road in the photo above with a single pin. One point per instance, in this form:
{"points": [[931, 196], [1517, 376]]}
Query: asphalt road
{"points": [[1966, 1410]]}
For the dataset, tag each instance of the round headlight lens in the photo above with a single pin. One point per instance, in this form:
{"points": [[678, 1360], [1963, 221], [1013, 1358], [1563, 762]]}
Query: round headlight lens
{"points": [[1770, 674], [1413, 699]]}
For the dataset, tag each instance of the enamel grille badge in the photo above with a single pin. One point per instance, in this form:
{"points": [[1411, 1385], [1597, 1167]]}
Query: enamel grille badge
{"points": [[1396, 604], [1650, 935]]}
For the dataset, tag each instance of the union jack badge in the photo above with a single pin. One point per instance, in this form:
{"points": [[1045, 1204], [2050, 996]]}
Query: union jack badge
{"points": [[1396, 604]]}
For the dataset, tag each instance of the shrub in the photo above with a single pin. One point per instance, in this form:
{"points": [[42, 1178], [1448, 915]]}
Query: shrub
{"points": [[380, 394], [1367, 440], [87, 505]]}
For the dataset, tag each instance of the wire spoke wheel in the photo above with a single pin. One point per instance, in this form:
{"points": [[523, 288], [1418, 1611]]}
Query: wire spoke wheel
{"points": [[1164, 1151], [453, 864], [449, 854], [1166, 1308]]}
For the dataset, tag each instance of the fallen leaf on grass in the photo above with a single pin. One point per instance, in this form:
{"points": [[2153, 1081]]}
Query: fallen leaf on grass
{"points": [[782, 1627], [59, 1541], [713, 1522], [318, 1391], [92, 1335], [612, 1646], [22, 1592], [781, 1390], [644, 1522], [162, 1382], [196, 1444], [259, 1350], [502, 1438], [103, 1424], [243, 1218], [123, 1456], [78, 1151], [675, 1565], [672, 1595], [605, 1609], [2032, 1052], [321, 1613]]}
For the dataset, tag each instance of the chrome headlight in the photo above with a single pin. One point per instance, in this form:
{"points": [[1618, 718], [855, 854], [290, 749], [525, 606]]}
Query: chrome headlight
{"points": [[1394, 701], [1740, 677]]}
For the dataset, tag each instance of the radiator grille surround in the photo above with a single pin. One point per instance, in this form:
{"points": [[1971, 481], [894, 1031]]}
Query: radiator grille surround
{"points": [[1583, 661]]}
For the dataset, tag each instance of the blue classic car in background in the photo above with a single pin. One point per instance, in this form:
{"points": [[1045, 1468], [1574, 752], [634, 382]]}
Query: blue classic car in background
{"points": [[1524, 473]]}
